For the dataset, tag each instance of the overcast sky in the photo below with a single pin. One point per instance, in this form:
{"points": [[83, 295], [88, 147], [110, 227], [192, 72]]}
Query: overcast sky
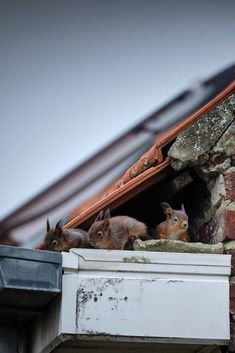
{"points": [[76, 74]]}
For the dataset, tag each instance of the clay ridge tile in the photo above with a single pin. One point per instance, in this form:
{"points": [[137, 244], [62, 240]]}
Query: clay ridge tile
{"points": [[149, 159]]}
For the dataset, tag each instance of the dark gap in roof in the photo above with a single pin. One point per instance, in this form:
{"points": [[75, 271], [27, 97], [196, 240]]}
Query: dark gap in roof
{"points": [[166, 148], [185, 187]]}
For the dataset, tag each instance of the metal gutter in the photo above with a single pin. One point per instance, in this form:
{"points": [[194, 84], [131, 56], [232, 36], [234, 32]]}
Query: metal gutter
{"points": [[29, 280]]}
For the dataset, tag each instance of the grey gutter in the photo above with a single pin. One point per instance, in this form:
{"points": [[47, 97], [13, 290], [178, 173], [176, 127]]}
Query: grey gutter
{"points": [[29, 280]]}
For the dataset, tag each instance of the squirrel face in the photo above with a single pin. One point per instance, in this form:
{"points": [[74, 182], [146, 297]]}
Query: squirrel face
{"points": [[99, 232], [60, 239], [114, 233], [176, 224], [54, 238], [178, 220]]}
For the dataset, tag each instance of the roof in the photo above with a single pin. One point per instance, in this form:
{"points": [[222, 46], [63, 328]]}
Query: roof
{"points": [[121, 169], [152, 167]]}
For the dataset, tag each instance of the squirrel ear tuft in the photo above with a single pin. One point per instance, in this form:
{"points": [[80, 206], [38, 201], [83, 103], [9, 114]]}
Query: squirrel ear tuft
{"points": [[107, 214], [182, 207], [164, 205], [58, 228], [100, 216], [106, 219], [48, 225], [58, 224], [167, 209]]}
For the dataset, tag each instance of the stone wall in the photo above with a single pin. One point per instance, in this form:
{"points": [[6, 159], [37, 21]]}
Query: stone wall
{"points": [[208, 147]]}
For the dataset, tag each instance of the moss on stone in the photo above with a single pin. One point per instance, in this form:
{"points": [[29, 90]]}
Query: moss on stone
{"points": [[164, 245], [192, 146]]}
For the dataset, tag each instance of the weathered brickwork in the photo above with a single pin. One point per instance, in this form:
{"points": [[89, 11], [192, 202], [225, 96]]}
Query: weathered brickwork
{"points": [[229, 181], [229, 224], [210, 151]]}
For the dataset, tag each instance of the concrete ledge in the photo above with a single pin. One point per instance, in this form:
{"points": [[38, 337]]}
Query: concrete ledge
{"points": [[164, 245]]}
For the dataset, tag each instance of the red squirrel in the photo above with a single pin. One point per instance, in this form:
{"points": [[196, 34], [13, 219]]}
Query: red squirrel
{"points": [[61, 239], [175, 226], [114, 232]]}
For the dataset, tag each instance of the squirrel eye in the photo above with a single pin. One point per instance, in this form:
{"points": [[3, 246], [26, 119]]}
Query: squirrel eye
{"points": [[175, 219], [54, 243], [99, 234]]}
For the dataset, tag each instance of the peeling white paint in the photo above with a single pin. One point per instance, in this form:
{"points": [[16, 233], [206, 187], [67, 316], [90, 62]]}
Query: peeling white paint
{"points": [[172, 298]]}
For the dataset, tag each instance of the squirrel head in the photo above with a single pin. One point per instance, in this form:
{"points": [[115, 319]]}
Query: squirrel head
{"points": [[54, 238], [99, 232], [178, 219]]}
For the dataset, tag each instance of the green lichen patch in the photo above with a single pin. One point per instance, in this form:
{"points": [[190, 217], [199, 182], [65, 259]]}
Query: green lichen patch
{"points": [[137, 259]]}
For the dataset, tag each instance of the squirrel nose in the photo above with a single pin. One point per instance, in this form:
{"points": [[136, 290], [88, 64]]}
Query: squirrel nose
{"points": [[185, 224]]}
